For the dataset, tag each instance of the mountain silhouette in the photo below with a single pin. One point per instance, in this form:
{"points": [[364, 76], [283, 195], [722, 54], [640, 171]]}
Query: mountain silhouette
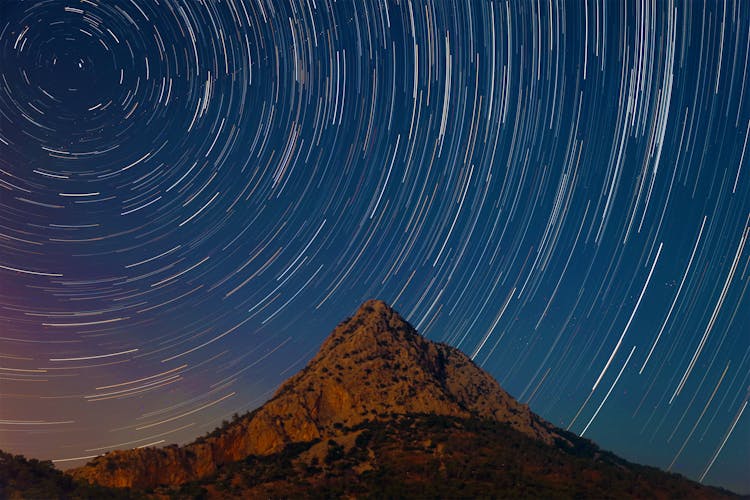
{"points": [[381, 411]]}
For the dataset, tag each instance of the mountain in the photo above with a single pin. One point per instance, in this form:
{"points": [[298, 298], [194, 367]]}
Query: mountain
{"points": [[372, 366], [380, 404]]}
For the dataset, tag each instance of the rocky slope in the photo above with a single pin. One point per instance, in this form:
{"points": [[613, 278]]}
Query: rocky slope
{"points": [[374, 366]]}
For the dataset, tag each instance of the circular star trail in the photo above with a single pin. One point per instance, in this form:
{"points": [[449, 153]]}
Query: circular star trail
{"points": [[195, 192]]}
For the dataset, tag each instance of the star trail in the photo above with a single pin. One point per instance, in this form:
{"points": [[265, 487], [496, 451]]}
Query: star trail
{"points": [[194, 192]]}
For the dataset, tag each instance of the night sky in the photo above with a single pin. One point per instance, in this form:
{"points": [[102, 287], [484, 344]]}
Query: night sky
{"points": [[195, 192]]}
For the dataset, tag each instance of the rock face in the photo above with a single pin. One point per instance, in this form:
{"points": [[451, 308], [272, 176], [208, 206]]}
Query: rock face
{"points": [[372, 366]]}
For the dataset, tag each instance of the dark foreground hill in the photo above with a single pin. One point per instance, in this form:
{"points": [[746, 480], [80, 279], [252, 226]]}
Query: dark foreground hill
{"points": [[30, 478], [382, 412]]}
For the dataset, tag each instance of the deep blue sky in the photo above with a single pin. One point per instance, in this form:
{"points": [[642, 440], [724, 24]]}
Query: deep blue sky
{"points": [[195, 193]]}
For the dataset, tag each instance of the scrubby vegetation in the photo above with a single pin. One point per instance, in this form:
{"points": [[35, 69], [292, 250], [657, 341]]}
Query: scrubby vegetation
{"points": [[22, 478], [430, 456]]}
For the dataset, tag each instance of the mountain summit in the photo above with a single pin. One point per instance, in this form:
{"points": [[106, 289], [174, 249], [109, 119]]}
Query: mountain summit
{"points": [[372, 366], [375, 365], [377, 403]]}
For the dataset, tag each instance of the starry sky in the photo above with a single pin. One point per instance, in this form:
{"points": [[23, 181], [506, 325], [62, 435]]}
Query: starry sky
{"points": [[193, 193]]}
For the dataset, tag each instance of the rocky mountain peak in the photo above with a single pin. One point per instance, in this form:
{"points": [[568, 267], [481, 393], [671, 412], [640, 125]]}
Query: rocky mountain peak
{"points": [[374, 332], [374, 323]]}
